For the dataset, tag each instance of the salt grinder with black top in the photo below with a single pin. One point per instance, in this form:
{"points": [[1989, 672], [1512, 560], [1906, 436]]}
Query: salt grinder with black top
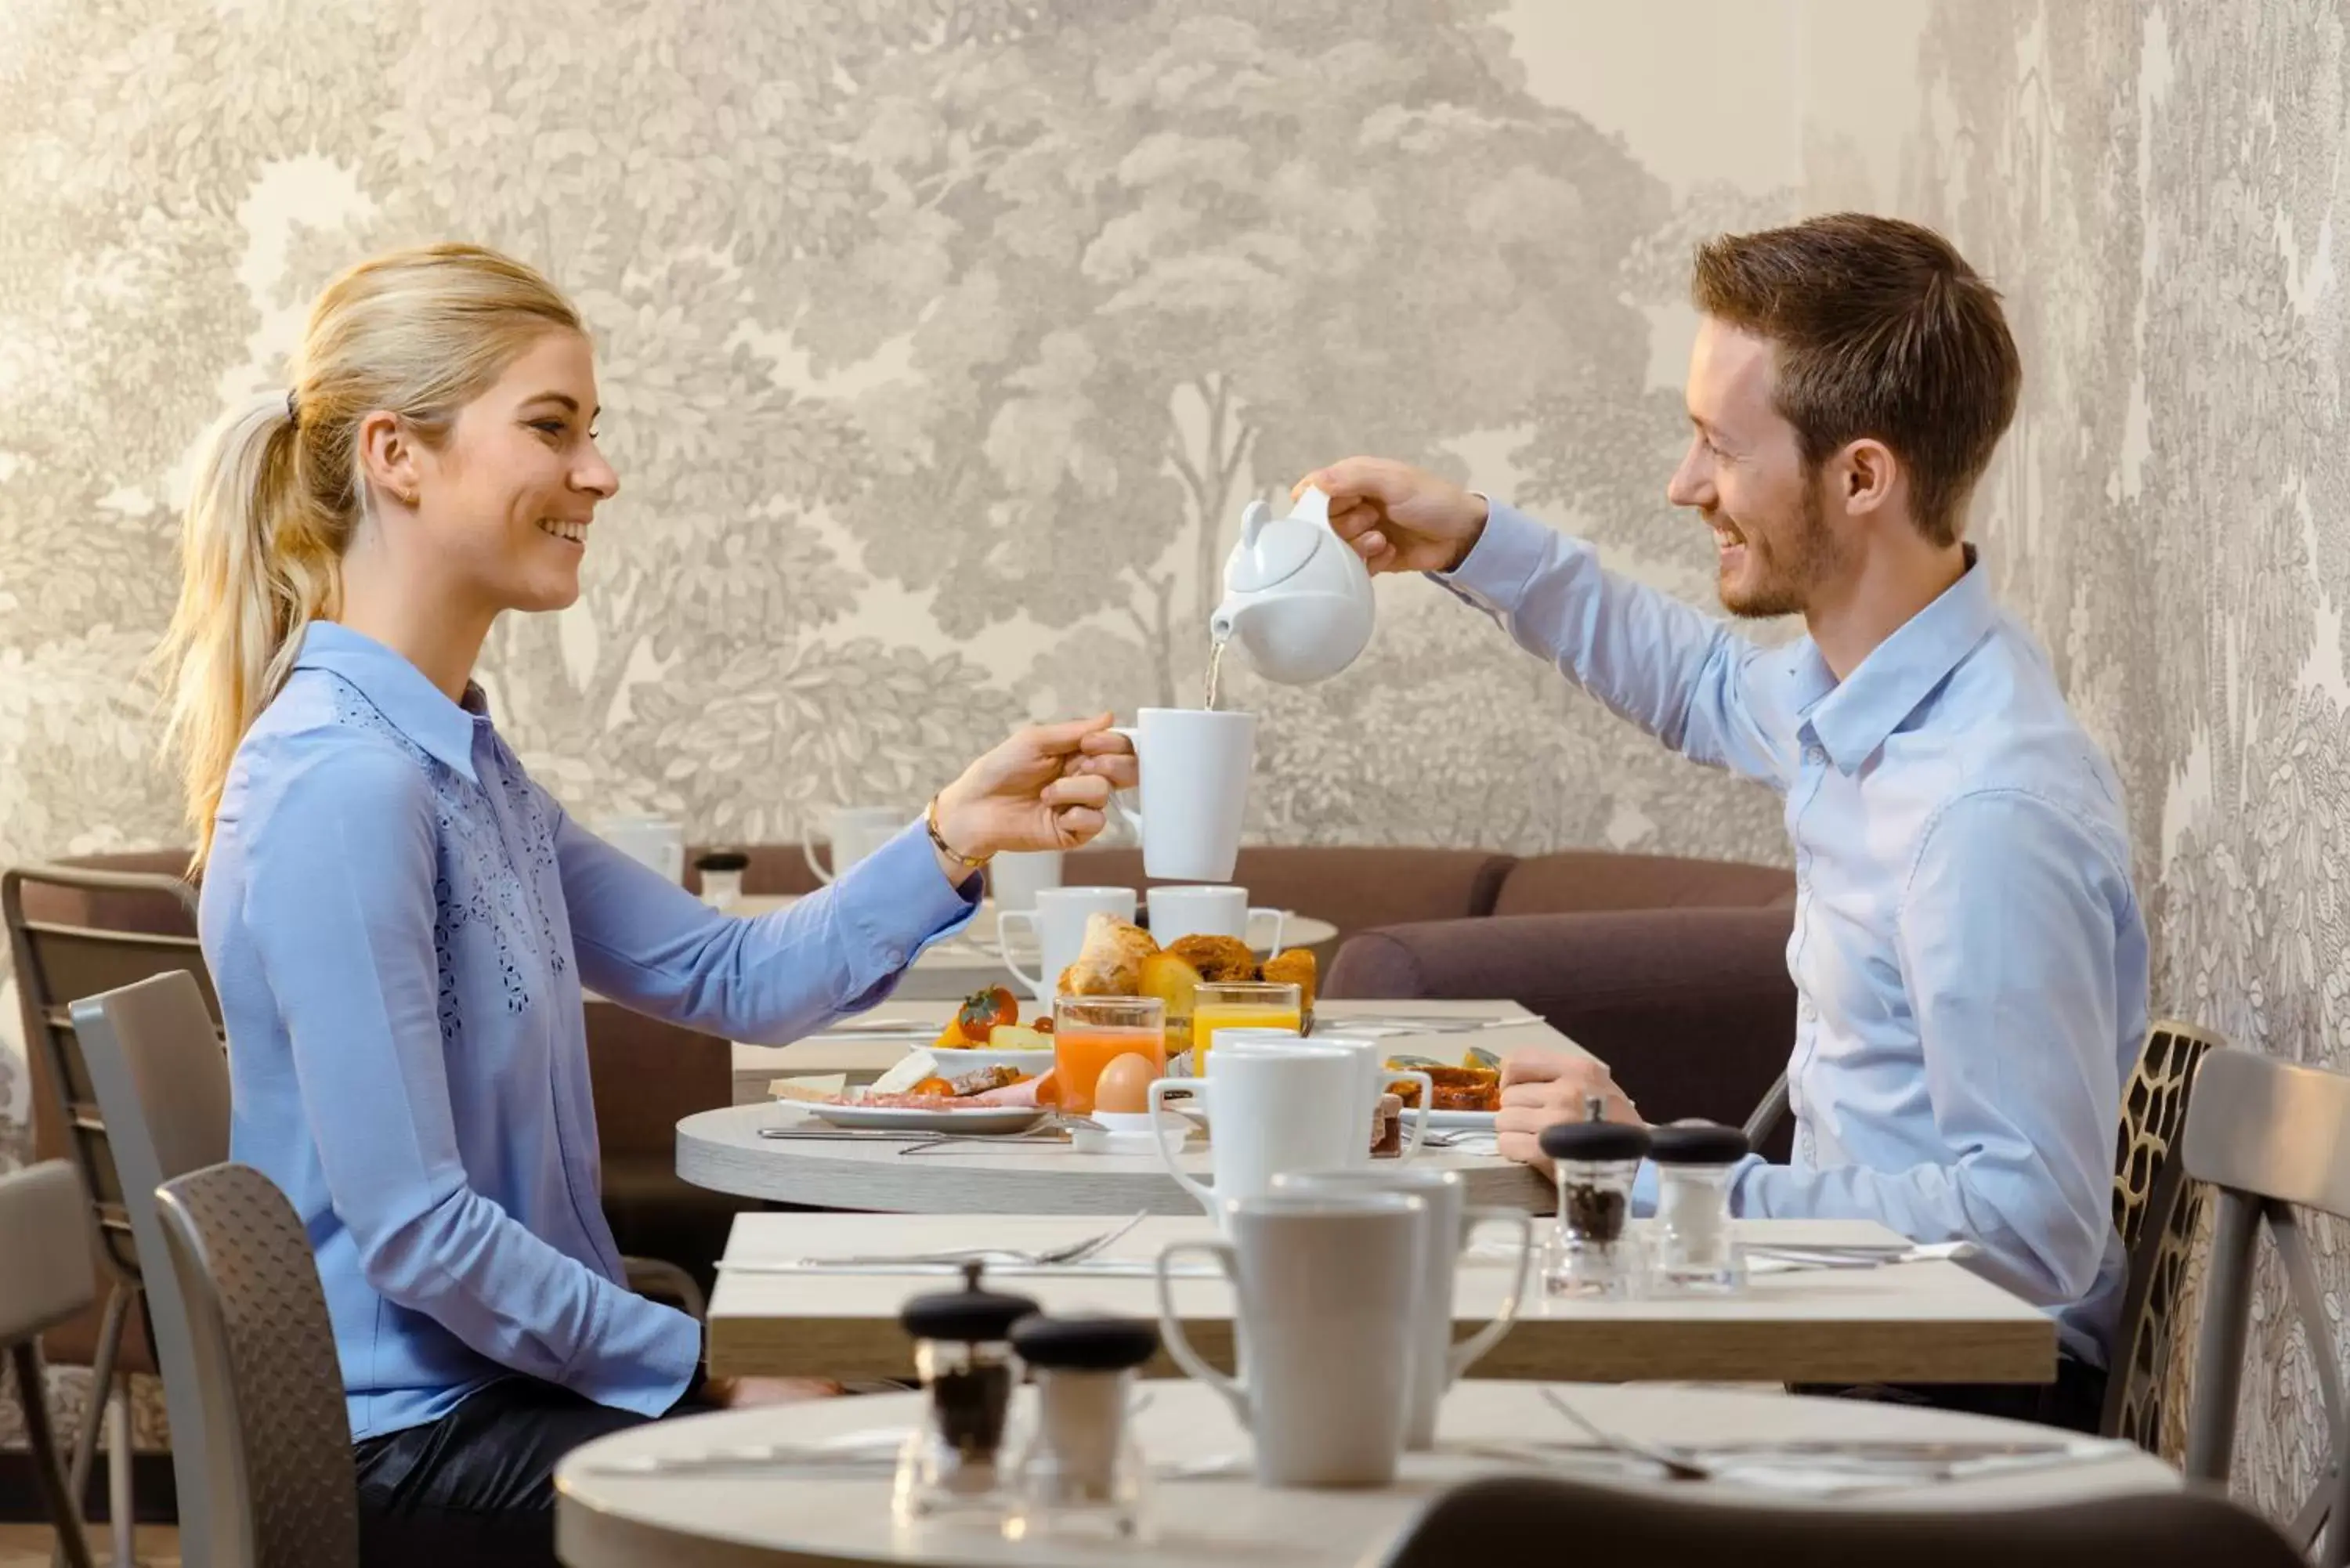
{"points": [[962, 1352], [1082, 1473], [1594, 1254], [1695, 1251]]}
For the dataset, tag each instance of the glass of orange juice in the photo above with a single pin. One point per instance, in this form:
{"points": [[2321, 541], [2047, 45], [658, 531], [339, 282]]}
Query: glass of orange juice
{"points": [[1241, 1004], [1090, 1033]]}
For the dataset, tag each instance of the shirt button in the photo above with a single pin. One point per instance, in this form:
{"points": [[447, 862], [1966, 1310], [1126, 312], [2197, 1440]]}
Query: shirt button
{"points": [[895, 958], [1815, 755]]}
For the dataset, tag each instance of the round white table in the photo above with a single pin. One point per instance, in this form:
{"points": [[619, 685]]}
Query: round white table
{"points": [[723, 1150], [607, 1520]]}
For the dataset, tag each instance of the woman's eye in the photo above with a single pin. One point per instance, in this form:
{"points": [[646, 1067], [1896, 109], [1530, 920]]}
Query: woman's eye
{"points": [[552, 426]]}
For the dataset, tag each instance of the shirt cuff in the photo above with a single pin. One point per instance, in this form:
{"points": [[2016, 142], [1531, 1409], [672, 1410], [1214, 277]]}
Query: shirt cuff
{"points": [[900, 903], [1644, 1190], [1499, 566]]}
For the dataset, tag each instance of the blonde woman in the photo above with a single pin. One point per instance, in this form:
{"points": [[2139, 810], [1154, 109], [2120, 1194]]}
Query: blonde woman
{"points": [[400, 922]]}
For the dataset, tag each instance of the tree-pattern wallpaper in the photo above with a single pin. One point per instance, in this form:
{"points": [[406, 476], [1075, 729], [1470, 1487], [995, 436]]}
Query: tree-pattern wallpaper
{"points": [[943, 341]]}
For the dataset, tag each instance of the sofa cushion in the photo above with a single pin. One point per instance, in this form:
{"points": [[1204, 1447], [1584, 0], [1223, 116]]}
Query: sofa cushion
{"points": [[1354, 889], [1584, 879], [1691, 1009]]}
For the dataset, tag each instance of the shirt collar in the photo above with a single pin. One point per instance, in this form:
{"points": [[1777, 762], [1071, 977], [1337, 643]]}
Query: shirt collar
{"points": [[415, 707], [1852, 719]]}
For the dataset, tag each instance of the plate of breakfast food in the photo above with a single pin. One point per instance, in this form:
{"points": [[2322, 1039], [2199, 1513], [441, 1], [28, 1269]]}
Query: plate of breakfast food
{"points": [[987, 1031], [1468, 1093]]}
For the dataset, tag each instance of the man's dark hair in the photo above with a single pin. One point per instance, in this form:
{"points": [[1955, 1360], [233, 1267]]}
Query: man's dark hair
{"points": [[1881, 330]]}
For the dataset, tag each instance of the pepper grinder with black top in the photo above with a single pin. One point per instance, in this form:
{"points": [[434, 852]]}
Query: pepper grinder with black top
{"points": [[1594, 1253], [962, 1352]]}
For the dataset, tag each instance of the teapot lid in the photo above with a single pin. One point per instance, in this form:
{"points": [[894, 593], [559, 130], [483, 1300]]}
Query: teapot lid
{"points": [[1275, 548]]}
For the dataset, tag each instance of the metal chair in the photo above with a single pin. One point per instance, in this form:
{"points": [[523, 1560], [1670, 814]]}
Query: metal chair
{"points": [[54, 961], [2157, 1212], [44, 1235], [1524, 1522], [274, 1449], [162, 1083], [2267, 1136]]}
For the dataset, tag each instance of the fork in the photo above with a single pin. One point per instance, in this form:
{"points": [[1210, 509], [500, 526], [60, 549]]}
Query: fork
{"points": [[1677, 1466], [1046, 1258]]}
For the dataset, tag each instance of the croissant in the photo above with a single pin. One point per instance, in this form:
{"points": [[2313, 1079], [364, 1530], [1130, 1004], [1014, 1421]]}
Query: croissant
{"points": [[1110, 962], [1217, 959]]}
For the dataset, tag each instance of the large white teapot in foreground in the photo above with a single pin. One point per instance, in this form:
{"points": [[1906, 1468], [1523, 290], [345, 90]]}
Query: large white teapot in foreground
{"points": [[1297, 599]]}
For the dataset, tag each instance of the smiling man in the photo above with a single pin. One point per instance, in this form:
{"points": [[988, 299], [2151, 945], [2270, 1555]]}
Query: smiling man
{"points": [[1969, 955]]}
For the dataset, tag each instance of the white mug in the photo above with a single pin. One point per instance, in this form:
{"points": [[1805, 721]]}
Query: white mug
{"points": [[653, 841], [1193, 780], [1437, 1362], [1194, 911], [1372, 1076], [854, 832], [1016, 878], [1268, 1111], [1058, 926], [1325, 1288]]}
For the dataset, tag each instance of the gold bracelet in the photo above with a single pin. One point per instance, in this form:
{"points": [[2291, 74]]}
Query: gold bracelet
{"points": [[931, 821]]}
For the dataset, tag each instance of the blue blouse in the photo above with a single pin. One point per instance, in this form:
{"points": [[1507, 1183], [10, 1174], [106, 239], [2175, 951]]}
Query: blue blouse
{"points": [[400, 924]]}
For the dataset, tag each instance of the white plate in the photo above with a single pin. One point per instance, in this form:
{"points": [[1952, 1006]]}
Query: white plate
{"points": [[955, 1062], [1457, 1121], [981, 1119]]}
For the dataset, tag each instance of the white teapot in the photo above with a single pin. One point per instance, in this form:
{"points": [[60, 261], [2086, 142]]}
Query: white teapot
{"points": [[1297, 599]]}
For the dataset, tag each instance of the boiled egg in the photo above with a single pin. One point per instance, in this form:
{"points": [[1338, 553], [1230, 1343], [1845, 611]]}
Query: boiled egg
{"points": [[1124, 1087]]}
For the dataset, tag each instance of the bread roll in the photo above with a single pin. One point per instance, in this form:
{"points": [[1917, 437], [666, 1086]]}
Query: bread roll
{"points": [[1110, 963], [1218, 960]]}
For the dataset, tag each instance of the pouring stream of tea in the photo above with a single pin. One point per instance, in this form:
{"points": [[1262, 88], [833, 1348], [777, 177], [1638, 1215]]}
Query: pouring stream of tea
{"points": [[1216, 645]]}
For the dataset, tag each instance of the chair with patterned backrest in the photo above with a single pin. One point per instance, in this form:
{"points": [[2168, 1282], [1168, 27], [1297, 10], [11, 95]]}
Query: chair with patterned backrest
{"points": [[44, 1236], [275, 1440], [2156, 1211], [58, 959], [2268, 1137]]}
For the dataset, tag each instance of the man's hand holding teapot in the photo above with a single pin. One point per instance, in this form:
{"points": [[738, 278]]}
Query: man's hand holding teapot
{"points": [[1399, 518]]}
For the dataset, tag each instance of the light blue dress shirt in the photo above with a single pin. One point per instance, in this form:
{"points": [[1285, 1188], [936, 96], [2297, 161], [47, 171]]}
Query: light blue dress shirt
{"points": [[1969, 955], [400, 924]]}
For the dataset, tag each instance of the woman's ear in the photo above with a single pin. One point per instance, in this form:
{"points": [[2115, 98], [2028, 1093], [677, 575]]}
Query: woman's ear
{"points": [[388, 457]]}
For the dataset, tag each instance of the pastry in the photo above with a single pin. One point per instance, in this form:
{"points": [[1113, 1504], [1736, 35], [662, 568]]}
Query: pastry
{"points": [[1216, 960], [1110, 962], [1295, 967]]}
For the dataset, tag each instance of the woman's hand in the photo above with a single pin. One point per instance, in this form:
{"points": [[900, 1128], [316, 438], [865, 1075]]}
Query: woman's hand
{"points": [[1047, 787]]}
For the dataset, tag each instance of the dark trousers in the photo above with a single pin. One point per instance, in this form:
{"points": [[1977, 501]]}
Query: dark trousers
{"points": [[477, 1486], [2076, 1401]]}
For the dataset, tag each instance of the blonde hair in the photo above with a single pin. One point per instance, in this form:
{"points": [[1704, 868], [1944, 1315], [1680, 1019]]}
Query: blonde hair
{"points": [[280, 489]]}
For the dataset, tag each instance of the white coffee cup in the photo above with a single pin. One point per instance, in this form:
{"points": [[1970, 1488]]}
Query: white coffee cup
{"points": [[1372, 1076], [1016, 878], [1058, 924], [1437, 1362], [1196, 911], [1268, 1111], [854, 832], [1193, 767], [653, 841], [1325, 1290]]}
